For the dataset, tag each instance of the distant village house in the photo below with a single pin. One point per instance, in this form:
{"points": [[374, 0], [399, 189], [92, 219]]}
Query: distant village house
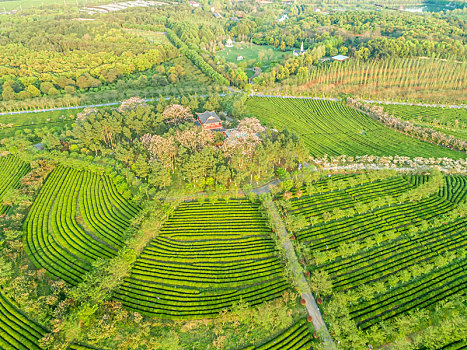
{"points": [[340, 58], [209, 120]]}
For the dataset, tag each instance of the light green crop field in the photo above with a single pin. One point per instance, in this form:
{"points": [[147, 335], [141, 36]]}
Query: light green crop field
{"points": [[27, 122], [388, 238], [451, 121], [250, 51]]}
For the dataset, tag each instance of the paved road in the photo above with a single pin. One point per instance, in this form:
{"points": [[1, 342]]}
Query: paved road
{"points": [[298, 97], [85, 106], [299, 277], [223, 94], [414, 104]]}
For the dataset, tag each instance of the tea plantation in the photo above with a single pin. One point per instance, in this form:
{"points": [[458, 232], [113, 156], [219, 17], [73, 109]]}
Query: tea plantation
{"points": [[12, 169], [207, 257], [332, 128], [77, 217], [390, 252]]}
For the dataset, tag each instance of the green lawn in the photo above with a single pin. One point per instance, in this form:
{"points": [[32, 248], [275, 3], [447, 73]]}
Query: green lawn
{"points": [[27, 122], [251, 52]]}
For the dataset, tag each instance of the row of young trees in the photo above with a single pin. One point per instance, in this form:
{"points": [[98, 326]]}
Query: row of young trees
{"points": [[196, 58]]}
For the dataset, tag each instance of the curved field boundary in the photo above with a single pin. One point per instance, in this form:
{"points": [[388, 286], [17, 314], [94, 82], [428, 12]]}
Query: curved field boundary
{"points": [[12, 169], [449, 121], [297, 337], [386, 219], [18, 332], [404, 242], [77, 217], [332, 128], [207, 257]]}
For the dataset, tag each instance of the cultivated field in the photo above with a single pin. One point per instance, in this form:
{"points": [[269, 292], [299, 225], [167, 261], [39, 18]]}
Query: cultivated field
{"points": [[390, 244], [295, 338], [12, 169], [18, 331], [207, 257], [334, 129], [451, 121], [77, 217]]}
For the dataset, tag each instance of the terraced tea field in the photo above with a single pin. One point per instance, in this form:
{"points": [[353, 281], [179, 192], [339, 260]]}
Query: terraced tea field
{"points": [[297, 337], [207, 257], [77, 217], [12, 169], [451, 121], [413, 251], [334, 129], [18, 332]]}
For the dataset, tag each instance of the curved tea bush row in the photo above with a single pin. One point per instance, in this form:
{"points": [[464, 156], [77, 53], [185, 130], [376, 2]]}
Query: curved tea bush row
{"points": [[318, 204], [455, 190], [451, 121], [18, 332], [413, 255], [297, 337], [383, 261], [332, 128], [12, 169], [419, 293], [77, 217], [362, 222], [207, 257]]}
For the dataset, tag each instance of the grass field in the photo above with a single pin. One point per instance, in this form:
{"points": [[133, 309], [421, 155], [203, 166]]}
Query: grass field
{"points": [[28, 122], [206, 257], [251, 52], [334, 129], [77, 217], [451, 121], [405, 256]]}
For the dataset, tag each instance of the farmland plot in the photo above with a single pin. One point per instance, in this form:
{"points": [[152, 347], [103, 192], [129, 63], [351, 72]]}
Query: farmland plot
{"points": [[297, 337], [451, 121], [12, 169], [19, 332], [207, 257], [334, 129], [408, 255], [77, 217]]}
